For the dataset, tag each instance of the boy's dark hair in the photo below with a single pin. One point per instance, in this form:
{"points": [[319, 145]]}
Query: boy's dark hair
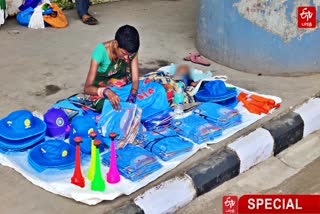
{"points": [[128, 38]]}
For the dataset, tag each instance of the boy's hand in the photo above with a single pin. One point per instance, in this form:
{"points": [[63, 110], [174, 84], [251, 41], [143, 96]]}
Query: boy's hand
{"points": [[132, 98], [194, 84], [113, 98]]}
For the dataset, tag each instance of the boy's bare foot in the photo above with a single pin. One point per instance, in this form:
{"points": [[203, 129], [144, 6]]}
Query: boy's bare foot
{"points": [[89, 20]]}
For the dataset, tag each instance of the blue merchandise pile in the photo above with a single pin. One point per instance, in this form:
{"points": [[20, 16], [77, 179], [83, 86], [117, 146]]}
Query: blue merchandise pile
{"points": [[134, 162], [196, 128], [219, 115], [165, 143]]}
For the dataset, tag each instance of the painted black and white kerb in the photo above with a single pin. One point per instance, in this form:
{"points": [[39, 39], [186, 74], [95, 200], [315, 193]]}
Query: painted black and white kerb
{"points": [[239, 156]]}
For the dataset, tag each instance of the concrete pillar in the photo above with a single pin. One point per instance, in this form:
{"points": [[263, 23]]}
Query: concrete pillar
{"points": [[258, 36]]}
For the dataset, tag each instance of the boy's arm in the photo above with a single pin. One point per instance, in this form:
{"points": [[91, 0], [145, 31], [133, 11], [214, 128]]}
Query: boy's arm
{"points": [[88, 87], [92, 90], [135, 80]]}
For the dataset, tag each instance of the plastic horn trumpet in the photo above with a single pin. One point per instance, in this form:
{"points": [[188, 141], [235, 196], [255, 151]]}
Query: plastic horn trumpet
{"points": [[90, 175], [113, 176], [98, 183], [77, 178]]}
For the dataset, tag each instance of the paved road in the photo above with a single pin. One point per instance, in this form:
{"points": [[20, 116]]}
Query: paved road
{"points": [[307, 181], [294, 171]]}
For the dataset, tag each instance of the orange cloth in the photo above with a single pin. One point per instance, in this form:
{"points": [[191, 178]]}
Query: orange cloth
{"points": [[257, 104], [57, 21]]}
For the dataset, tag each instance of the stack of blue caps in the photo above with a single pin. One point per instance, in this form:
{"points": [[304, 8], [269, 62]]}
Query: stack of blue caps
{"points": [[52, 154], [20, 130]]}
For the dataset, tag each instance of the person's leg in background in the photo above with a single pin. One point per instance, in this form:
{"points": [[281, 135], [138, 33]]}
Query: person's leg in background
{"points": [[82, 9]]}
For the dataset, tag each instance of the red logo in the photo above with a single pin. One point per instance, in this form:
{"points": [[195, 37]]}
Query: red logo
{"points": [[145, 95], [230, 204], [150, 90], [307, 17]]}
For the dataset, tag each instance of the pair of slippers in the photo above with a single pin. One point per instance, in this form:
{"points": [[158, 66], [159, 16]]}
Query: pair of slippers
{"points": [[197, 59]]}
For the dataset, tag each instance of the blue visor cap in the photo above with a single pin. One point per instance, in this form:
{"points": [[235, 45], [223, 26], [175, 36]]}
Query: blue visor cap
{"points": [[52, 154], [81, 126], [20, 125], [16, 145], [215, 91]]}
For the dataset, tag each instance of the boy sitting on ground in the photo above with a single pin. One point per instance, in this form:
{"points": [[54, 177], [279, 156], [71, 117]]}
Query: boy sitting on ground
{"points": [[170, 82], [183, 74]]}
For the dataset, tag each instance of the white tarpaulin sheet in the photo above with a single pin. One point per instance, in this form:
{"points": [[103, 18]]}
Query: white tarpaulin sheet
{"points": [[58, 181]]}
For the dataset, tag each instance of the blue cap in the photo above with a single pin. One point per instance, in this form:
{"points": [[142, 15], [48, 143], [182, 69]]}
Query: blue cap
{"points": [[20, 125], [81, 126], [52, 154], [20, 145], [231, 103], [57, 122], [215, 91]]}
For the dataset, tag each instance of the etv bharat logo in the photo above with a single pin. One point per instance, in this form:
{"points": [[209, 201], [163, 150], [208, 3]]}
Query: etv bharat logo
{"points": [[230, 204], [307, 17]]}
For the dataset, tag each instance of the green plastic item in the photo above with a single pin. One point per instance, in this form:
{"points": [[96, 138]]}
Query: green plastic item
{"points": [[45, 6], [92, 162], [98, 183]]}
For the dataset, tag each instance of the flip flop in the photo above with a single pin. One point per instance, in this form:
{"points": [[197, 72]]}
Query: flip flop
{"points": [[199, 60], [188, 58]]}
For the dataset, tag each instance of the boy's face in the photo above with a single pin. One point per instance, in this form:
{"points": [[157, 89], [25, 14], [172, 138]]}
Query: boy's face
{"points": [[123, 54], [183, 70]]}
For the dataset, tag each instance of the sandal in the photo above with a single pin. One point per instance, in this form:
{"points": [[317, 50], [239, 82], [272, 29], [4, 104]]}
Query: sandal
{"points": [[188, 58], [93, 18], [90, 20], [199, 60]]}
